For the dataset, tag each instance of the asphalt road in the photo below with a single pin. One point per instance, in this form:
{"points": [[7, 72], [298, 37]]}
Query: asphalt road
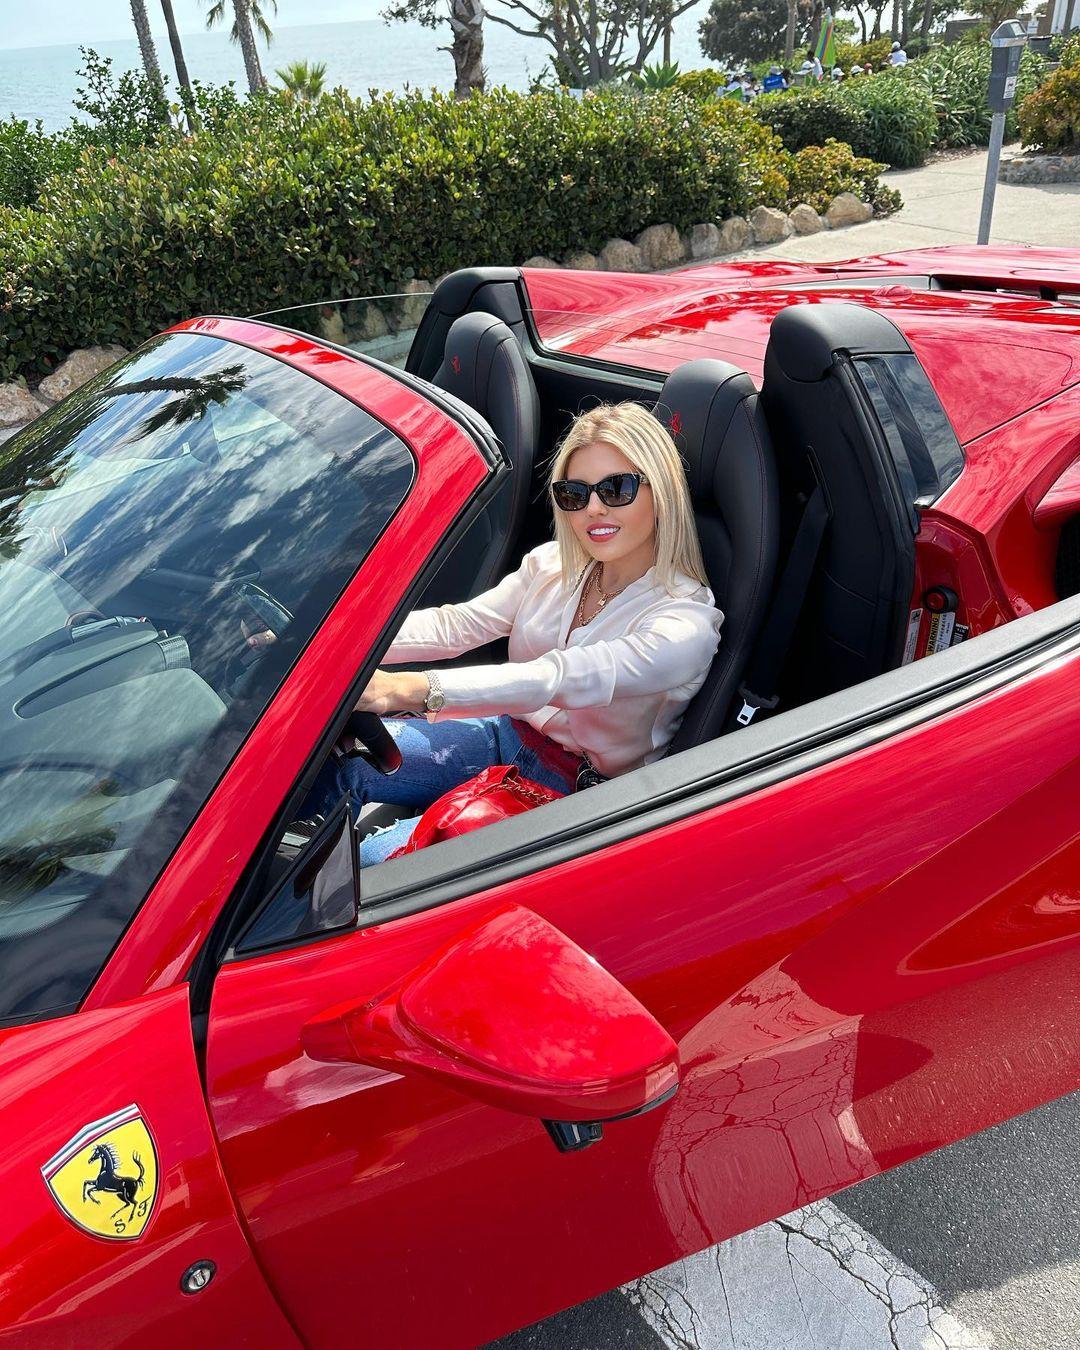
{"points": [[977, 1245]]}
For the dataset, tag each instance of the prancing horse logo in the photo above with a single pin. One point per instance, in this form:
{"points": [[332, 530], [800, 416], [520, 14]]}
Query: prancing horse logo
{"points": [[105, 1178]]}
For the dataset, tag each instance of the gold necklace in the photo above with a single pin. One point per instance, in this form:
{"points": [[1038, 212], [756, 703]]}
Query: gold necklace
{"points": [[593, 580]]}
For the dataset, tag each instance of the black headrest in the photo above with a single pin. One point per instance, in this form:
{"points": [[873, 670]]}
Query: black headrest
{"points": [[804, 338], [697, 404], [483, 365]]}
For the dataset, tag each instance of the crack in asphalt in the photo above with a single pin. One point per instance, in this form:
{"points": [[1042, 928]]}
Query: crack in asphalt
{"points": [[914, 1320]]}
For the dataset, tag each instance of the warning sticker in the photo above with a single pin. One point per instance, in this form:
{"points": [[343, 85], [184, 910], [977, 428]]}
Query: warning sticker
{"points": [[961, 633], [914, 620], [941, 631]]}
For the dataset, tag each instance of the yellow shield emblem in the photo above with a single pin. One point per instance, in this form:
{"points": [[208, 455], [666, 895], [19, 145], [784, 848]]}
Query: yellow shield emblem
{"points": [[105, 1178]]}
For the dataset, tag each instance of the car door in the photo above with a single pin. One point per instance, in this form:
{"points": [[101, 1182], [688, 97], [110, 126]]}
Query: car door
{"points": [[856, 922], [224, 482]]}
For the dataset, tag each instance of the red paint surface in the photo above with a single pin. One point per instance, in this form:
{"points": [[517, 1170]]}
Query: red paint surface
{"points": [[845, 961], [989, 356], [65, 1288], [515, 1014]]}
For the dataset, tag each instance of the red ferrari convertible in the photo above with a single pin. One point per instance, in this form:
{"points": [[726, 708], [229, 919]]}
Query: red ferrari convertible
{"points": [[254, 1095]]}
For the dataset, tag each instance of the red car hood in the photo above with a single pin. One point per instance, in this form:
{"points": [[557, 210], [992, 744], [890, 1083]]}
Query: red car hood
{"points": [[990, 352]]}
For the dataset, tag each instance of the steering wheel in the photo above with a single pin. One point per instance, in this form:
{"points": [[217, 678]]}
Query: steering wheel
{"points": [[378, 747]]}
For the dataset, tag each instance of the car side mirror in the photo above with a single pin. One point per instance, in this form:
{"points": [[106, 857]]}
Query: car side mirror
{"points": [[512, 1013]]}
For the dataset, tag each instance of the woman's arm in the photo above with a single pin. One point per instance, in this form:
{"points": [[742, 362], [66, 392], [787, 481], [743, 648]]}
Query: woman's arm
{"points": [[449, 630], [672, 648]]}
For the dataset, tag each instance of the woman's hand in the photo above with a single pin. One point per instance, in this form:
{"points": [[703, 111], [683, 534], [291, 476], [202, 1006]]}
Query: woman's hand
{"points": [[394, 691]]}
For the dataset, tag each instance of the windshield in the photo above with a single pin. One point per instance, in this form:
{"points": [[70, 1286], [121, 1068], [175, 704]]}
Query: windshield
{"points": [[155, 530]]}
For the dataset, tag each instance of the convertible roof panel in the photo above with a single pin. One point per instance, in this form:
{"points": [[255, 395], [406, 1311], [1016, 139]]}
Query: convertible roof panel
{"points": [[992, 344]]}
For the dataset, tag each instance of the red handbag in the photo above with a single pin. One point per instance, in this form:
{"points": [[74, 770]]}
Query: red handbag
{"points": [[492, 795]]}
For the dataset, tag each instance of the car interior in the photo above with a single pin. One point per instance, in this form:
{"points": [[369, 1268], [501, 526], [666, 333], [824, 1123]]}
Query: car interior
{"points": [[805, 493]]}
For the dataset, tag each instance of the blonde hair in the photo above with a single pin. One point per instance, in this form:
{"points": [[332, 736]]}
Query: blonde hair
{"points": [[637, 434]]}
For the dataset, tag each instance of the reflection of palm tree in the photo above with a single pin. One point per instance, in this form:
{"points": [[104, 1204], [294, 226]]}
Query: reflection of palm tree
{"points": [[196, 395]]}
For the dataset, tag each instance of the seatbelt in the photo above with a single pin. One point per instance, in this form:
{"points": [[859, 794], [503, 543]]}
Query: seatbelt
{"points": [[759, 687]]}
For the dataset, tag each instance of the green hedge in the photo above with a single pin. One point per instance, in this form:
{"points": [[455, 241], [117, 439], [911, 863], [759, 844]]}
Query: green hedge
{"points": [[899, 123], [810, 115], [285, 202]]}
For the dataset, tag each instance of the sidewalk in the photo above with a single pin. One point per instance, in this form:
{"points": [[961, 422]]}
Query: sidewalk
{"points": [[941, 206]]}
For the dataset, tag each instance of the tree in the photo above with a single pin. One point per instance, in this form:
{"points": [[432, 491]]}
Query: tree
{"points": [[466, 20], [247, 16], [590, 40], [146, 44], [303, 79], [187, 94], [753, 30]]}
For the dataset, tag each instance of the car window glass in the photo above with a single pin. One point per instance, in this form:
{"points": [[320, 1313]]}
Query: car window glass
{"points": [[924, 447], [170, 538]]}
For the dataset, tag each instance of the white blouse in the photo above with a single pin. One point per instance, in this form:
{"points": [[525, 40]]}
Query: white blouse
{"points": [[615, 689]]}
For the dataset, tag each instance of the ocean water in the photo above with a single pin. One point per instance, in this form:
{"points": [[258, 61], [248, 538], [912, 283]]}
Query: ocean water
{"points": [[39, 82]]}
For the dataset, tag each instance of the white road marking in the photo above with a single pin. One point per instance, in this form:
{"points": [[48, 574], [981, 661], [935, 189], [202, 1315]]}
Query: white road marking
{"points": [[813, 1280]]}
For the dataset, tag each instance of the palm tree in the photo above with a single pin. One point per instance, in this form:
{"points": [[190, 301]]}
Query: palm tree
{"points": [[146, 44], [247, 14], [187, 94], [304, 80]]}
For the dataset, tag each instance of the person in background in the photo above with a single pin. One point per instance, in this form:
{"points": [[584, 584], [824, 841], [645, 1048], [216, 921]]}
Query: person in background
{"points": [[837, 74], [897, 57], [868, 69], [855, 70], [733, 86], [774, 81], [812, 66]]}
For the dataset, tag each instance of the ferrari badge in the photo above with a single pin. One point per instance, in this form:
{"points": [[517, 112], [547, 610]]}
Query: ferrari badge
{"points": [[105, 1178]]}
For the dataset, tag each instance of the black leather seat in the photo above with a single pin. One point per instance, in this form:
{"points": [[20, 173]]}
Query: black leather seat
{"points": [[819, 404], [484, 367], [712, 410]]}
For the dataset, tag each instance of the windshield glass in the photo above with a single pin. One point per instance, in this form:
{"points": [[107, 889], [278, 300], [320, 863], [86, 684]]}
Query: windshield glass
{"points": [[170, 538]]}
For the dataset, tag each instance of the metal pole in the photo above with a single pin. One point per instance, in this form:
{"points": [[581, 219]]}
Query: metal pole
{"points": [[997, 136]]}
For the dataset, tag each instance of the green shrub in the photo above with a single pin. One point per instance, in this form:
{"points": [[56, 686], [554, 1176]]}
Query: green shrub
{"points": [[286, 202], [700, 84], [899, 122], [876, 51], [821, 172], [25, 158], [1050, 117], [810, 116], [956, 78]]}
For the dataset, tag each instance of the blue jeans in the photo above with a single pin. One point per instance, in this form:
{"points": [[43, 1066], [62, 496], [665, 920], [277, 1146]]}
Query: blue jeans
{"points": [[435, 757]]}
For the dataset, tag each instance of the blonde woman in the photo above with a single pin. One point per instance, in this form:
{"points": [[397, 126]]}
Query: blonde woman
{"points": [[611, 629]]}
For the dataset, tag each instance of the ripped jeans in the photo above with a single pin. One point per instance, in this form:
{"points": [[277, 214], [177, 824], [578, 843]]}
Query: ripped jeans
{"points": [[435, 757]]}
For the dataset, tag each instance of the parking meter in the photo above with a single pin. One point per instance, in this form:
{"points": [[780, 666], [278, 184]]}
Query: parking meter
{"points": [[1007, 44]]}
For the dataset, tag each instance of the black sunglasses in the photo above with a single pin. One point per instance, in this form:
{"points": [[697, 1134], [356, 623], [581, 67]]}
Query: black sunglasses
{"points": [[617, 489]]}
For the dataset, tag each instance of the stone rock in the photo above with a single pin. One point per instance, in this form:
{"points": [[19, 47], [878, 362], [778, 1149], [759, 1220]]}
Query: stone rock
{"points": [[620, 255], [706, 241], [769, 225], [332, 326], [370, 323], [79, 367], [538, 260], [805, 219], [734, 234], [660, 246], [847, 210], [417, 293], [582, 262], [1040, 169], [17, 407]]}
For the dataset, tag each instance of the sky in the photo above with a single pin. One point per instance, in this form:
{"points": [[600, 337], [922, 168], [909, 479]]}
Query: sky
{"points": [[45, 23]]}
